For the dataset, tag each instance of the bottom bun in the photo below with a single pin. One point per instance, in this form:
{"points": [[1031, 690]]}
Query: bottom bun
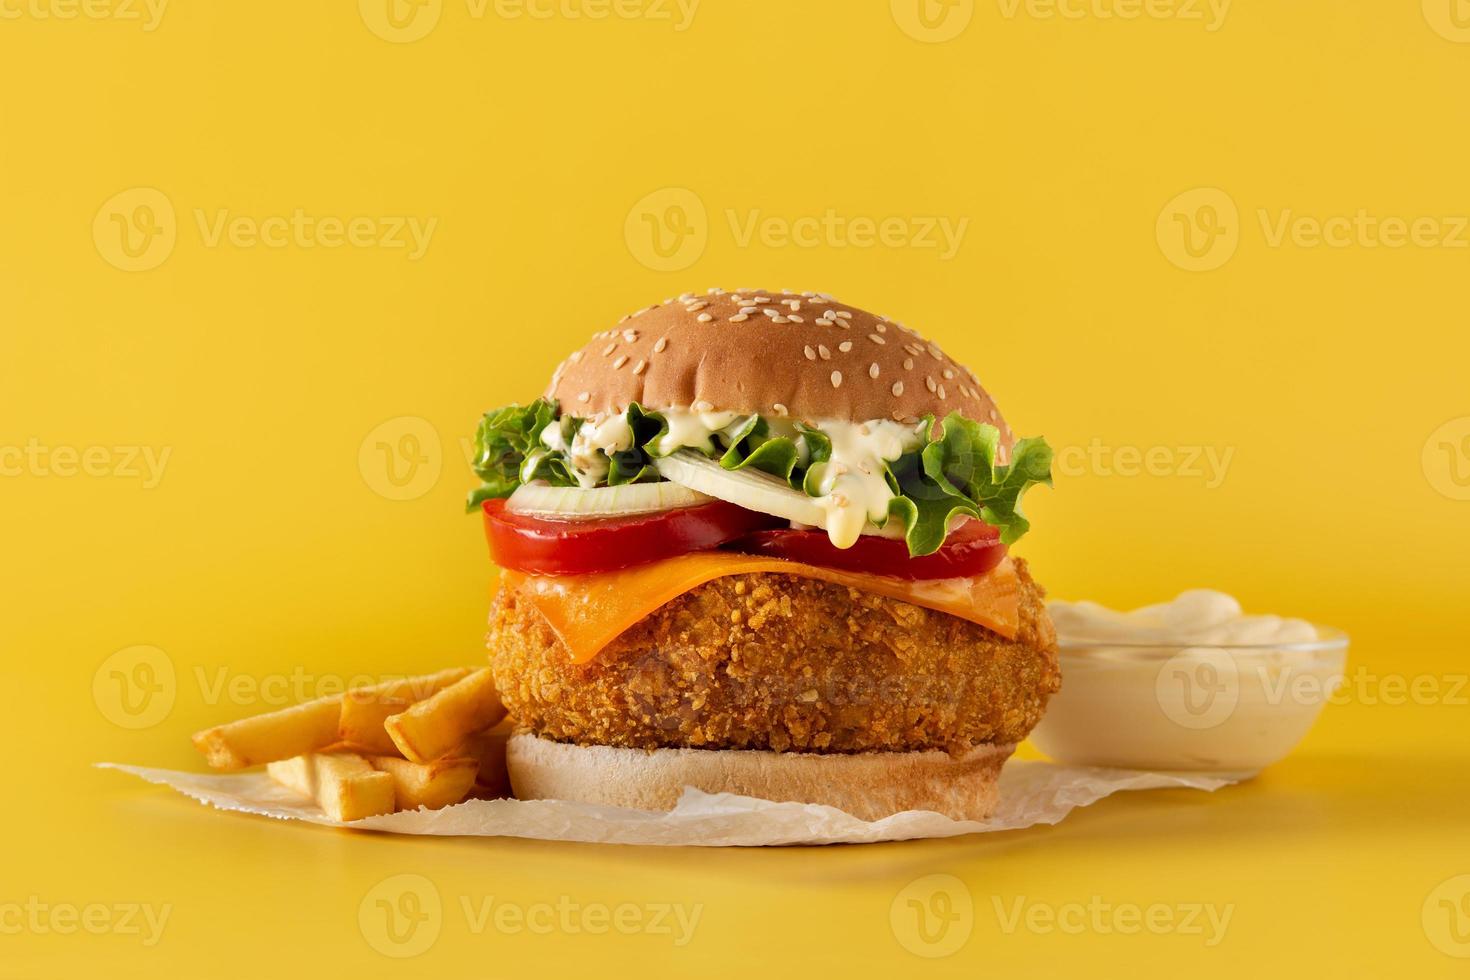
{"points": [[869, 785]]}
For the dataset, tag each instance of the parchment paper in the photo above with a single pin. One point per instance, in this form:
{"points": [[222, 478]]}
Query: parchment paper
{"points": [[1031, 793]]}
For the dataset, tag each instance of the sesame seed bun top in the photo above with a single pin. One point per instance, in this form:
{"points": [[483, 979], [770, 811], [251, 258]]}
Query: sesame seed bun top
{"points": [[802, 355]]}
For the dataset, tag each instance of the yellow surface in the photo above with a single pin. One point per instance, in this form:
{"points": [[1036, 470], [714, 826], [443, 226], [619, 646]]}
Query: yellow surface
{"points": [[276, 554]]}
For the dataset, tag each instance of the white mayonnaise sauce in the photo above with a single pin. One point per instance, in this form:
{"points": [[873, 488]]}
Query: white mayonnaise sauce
{"points": [[1190, 684], [587, 452]]}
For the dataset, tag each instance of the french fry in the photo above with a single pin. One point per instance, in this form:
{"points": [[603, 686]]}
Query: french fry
{"points": [[439, 724], [360, 725], [344, 785], [282, 734], [429, 784], [303, 728], [492, 781]]}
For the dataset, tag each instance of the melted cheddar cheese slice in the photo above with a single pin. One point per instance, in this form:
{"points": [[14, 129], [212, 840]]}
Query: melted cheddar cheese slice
{"points": [[587, 612]]}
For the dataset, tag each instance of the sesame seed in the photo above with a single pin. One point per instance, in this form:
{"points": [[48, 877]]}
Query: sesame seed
{"points": [[779, 409], [630, 335], [948, 375], [609, 349], [843, 314], [739, 318], [941, 393], [845, 346], [897, 388], [663, 342], [705, 318], [584, 396], [748, 309], [703, 406], [882, 328], [873, 370], [778, 318], [876, 339], [622, 359], [929, 383], [794, 318], [837, 379], [696, 307], [576, 356], [638, 368], [935, 352], [908, 363], [811, 355], [826, 354], [992, 415]]}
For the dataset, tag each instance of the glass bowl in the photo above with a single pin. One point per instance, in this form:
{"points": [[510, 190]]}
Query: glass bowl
{"points": [[1220, 709]]}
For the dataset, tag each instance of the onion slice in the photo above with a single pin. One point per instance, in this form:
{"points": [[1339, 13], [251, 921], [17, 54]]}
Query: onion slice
{"points": [[751, 489], [576, 503]]}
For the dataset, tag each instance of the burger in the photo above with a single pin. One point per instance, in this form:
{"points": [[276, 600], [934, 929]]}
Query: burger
{"points": [[756, 542]]}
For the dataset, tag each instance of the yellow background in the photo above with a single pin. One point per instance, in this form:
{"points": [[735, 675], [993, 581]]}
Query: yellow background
{"points": [[270, 549]]}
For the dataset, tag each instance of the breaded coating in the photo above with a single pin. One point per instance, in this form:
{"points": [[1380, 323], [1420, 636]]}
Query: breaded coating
{"points": [[784, 663]]}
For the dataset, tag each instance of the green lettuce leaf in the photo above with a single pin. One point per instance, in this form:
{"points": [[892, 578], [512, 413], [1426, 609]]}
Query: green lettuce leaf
{"points": [[956, 473], [750, 444], [1001, 501], [930, 482], [635, 465], [508, 439]]}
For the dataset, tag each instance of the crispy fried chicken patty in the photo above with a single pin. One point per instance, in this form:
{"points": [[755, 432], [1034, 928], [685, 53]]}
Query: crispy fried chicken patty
{"points": [[779, 662]]}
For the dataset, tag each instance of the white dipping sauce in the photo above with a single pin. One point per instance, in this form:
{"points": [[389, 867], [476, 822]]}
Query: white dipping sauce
{"points": [[1193, 684]]}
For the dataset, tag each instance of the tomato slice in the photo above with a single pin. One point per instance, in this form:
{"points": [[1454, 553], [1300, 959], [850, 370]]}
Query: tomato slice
{"points": [[539, 546], [970, 550]]}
